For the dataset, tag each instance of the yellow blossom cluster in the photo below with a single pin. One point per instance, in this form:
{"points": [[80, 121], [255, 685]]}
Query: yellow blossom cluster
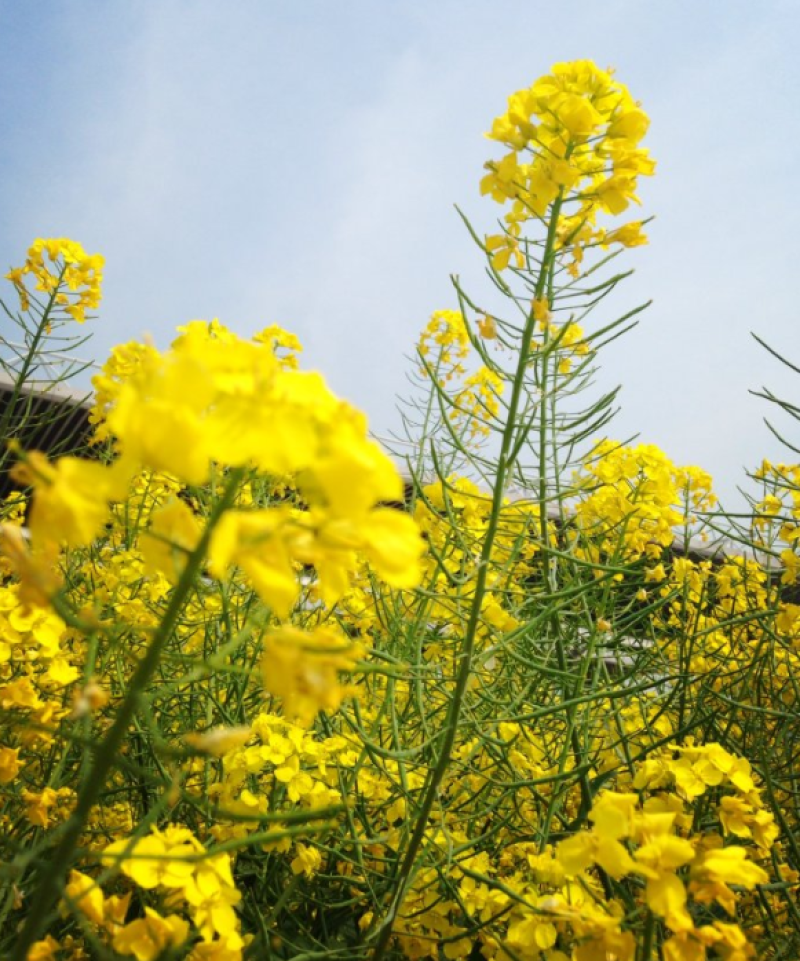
{"points": [[444, 346], [778, 514], [574, 135], [635, 499], [477, 404], [62, 270], [445, 329], [175, 864], [217, 402], [654, 841]]}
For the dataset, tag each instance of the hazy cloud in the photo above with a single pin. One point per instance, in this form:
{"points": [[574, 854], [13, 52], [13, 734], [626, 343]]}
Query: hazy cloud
{"points": [[298, 163]]}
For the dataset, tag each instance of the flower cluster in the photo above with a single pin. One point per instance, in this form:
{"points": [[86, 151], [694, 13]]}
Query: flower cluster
{"points": [[447, 330], [635, 500], [216, 402], [175, 864], [63, 270], [444, 347], [654, 841], [574, 135]]}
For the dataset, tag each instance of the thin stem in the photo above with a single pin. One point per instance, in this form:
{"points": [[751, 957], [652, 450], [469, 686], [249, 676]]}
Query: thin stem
{"points": [[448, 735]]}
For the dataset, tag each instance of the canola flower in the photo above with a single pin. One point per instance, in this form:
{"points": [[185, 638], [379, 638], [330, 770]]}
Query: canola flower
{"points": [[254, 707], [229, 405], [62, 270], [576, 135]]}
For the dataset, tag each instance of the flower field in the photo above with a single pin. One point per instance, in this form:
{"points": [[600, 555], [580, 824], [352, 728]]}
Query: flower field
{"points": [[268, 690]]}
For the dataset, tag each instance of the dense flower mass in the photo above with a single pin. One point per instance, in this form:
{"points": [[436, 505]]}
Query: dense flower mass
{"points": [[215, 402], [262, 695]]}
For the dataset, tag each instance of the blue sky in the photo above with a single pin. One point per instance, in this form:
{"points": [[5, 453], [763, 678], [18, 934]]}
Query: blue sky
{"points": [[297, 163]]}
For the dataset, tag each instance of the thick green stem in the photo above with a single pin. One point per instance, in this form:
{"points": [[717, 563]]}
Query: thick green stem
{"points": [[39, 910]]}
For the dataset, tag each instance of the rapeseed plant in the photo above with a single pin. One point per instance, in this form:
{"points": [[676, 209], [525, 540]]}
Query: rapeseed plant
{"points": [[264, 697]]}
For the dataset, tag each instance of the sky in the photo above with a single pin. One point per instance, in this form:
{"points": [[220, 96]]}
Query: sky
{"points": [[298, 163]]}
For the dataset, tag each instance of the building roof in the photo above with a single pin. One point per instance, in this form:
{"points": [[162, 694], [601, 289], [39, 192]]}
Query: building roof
{"points": [[53, 419]]}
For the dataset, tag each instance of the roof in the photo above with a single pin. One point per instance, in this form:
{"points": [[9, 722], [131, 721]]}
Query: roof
{"points": [[53, 419]]}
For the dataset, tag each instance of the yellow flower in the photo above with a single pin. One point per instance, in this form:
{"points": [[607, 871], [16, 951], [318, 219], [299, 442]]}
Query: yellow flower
{"points": [[60, 673], [307, 860], [259, 543], [504, 179], [487, 327], [19, 693], [578, 116], [45, 950], [229, 949], [735, 815], [211, 895], [70, 499], [393, 546], [158, 859], [663, 853], [148, 938], [72, 277], [612, 814], [331, 543], [684, 946], [86, 895], [732, 866], [505, 246], [170, 859], [654, 574], [302, 668], [541, 311], [124, 360], [350, 475], [173, 534], [477, 404], [9, 764], [574, 133], [629, 235], [448, 331], [580, 851], [38, 805], [666, 896], [718, 868], [37, 570], [281, 340], [765, 830], [531, 933]]}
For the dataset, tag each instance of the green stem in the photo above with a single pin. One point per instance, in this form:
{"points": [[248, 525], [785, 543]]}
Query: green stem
{"points": [[448, 735], [647, 941], [39, 911], [19, 383]]}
